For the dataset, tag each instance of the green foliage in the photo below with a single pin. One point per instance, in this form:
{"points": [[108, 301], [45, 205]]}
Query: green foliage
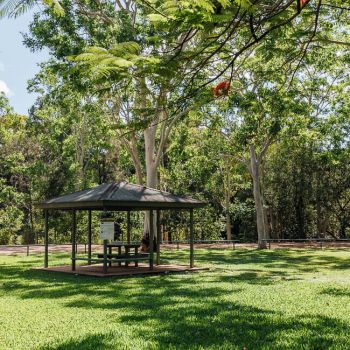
{"points": [[156, 18], [56, 7], [11, 215], [244, 4], [13, 175]]}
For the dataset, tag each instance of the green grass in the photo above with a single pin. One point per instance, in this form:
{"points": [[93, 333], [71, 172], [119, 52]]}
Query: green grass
{"points": [[290, 299]]}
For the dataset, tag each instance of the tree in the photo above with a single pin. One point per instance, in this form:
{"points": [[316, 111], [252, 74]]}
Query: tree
{"points": [[15, 155], [311, 151], [257, 109], [152, 49], [80, 136], [132, 72]]}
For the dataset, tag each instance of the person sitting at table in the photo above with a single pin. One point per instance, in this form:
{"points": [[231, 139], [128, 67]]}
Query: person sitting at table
{"points": [[145, 243]]}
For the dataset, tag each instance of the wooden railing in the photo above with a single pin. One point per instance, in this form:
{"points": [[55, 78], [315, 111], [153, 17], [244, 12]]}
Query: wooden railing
{"points": [[320, 241]]}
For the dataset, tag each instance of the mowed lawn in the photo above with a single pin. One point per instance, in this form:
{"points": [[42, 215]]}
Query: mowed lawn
{"points": [[282, 299]]}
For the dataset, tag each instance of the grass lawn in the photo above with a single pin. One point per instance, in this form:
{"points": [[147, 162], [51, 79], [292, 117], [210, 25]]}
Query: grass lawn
{"points": [[282, 299]]}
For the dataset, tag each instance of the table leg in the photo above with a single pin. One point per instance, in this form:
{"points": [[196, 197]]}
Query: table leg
{"points": [[136, 251], [120, 253]]}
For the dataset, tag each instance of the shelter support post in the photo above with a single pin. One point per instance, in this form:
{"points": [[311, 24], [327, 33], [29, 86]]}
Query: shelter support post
{"points": [[89, 237], [151, 238], [105, 263], [128, 227], [74, 234], [158, 237], [191, 239], [46, 258]]}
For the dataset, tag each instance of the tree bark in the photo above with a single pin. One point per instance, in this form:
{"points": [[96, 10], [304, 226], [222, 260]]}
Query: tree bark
{"points": [[228, 227], [228, 218], [254, 169], [266, 214], [151, 168], [227, 198], [136, 159]]}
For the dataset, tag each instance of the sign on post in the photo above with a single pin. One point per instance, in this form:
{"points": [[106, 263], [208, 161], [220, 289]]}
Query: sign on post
{"points": [[107, 230]]}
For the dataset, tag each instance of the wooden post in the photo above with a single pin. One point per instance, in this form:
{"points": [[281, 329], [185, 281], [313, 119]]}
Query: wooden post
{"points": [[105, 269], [191, 239], [89, 237], [136, 253], [74, 233], [158, 237], [46, 259], [110, 255], [128, 227], [151, 237]]}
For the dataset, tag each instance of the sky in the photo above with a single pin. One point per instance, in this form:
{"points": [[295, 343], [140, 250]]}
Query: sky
{"points": [[17, 63]]}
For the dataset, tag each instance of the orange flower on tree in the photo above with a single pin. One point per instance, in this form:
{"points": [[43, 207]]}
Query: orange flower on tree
{"points": [[221, 89], [301, 4]]}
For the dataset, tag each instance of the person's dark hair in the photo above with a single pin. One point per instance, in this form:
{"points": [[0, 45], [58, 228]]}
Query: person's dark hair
{"points": [[146, 241]]}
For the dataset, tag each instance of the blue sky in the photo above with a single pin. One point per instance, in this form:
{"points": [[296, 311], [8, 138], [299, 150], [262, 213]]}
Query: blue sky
{"points": [[17, 63]]}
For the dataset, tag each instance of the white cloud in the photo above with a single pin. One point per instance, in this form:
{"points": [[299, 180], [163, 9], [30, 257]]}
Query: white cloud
{"points": [[4, 88]]}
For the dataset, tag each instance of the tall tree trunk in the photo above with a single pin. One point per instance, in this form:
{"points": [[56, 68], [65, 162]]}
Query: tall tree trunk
{"points": [[258, 199], [81, 135], [228, 218], [136, 160], [33, 235], [266, 210], [151, 168], [227, 193], [319, 217], [153, 151], [228, 227], [273, 225]]}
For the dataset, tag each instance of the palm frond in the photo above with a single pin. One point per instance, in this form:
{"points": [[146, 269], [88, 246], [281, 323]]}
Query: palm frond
{"points": [[15, 8], [128, 47]]}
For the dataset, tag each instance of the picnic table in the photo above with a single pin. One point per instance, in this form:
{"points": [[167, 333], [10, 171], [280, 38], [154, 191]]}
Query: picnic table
{"points": [[127, 248], [108, 257]]}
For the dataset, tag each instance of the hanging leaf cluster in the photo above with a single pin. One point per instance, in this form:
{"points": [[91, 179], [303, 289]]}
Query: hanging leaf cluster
{"points": [[117, 62]]}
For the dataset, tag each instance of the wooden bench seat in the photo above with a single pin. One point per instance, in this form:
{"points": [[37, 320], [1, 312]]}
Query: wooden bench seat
{"points": [[137, 258], [124, 256]]}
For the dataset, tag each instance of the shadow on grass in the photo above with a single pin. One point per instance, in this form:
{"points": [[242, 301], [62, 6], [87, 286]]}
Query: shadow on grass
{"points": [[189, 311], [216, 326], [234, 266], [92, 342], [302, 260], [337, 292]]}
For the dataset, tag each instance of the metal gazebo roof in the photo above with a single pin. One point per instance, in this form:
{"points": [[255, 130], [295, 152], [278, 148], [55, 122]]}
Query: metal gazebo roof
{"points": [[120, 196]]}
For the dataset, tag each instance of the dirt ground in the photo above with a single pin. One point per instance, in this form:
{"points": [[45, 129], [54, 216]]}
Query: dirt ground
{"points": [[36, 249]]}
